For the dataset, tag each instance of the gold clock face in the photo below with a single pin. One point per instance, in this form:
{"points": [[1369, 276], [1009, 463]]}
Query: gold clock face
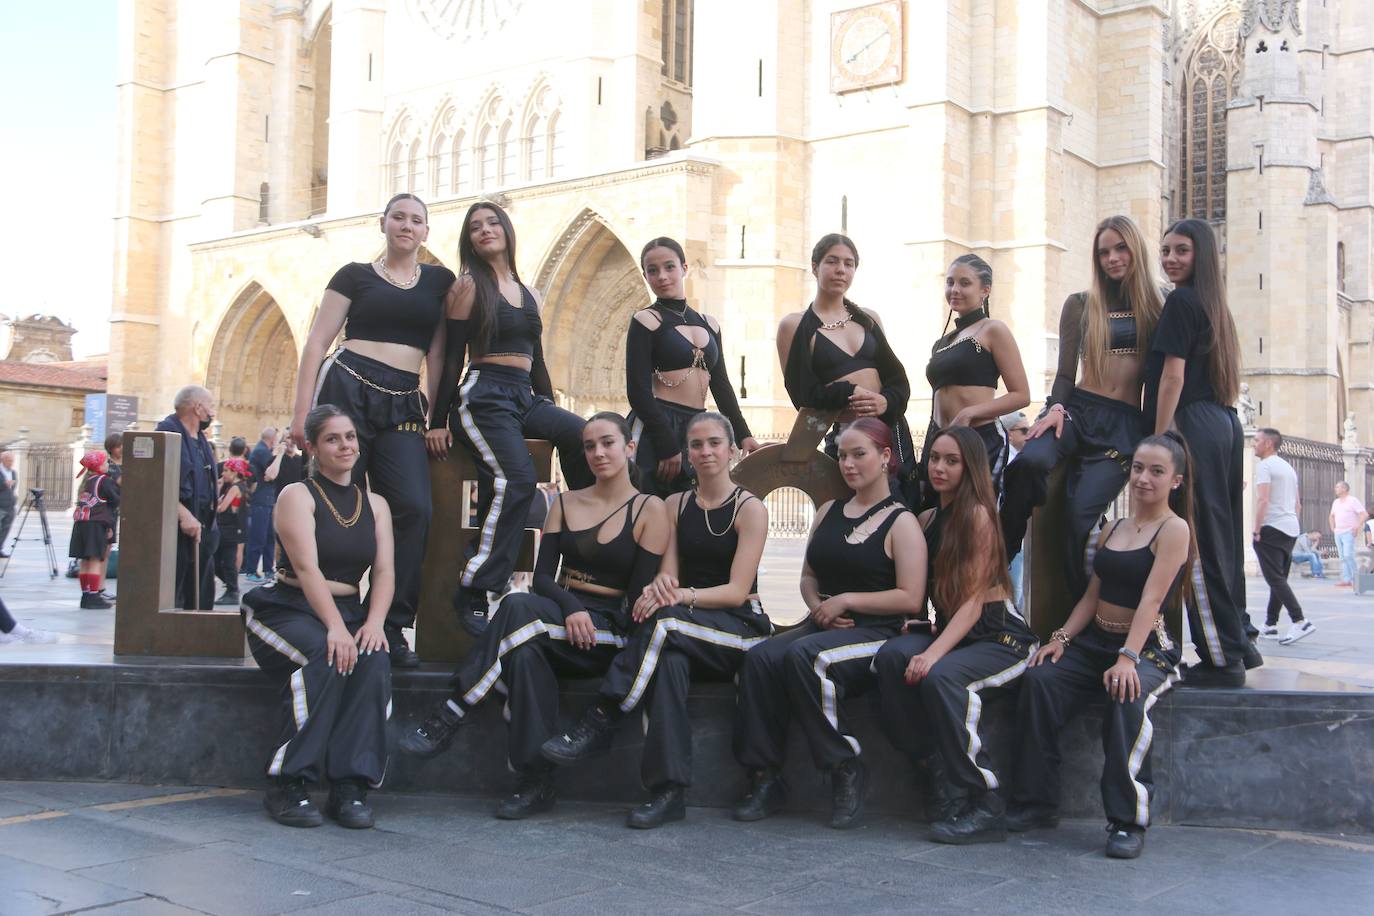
{"points": [[866, 46]]}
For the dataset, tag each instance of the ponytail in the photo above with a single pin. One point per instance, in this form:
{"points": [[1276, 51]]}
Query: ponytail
{"points": [[1180, 500], [610, 416]]}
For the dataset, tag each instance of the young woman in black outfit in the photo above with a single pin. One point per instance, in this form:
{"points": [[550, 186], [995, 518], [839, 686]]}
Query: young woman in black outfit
{"points": [[389, 312], [505, 398], [673, 355], [1192, 379], [312, 632], [1095, 423], [609, 539], [864, 570], [697, 619], [835, 356], [932, 676], [1115, 641], [965, 366]]}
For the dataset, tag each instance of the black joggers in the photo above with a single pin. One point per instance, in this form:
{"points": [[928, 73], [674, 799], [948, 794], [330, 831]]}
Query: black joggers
{"points": [[1275, 552]]}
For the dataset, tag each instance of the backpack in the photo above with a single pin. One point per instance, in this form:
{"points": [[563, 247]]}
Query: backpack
{"points": [[90, 499]]}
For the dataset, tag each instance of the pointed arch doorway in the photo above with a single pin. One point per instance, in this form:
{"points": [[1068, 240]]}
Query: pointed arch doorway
{"points": [[252, 369]]}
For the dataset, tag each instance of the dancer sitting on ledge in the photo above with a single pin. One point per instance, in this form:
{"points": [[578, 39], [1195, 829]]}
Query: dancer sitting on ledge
{"points": [[1115, 641], [697, 620], [673, 355], [505, 397], [864, 570], [609, 539], [312, 633]]}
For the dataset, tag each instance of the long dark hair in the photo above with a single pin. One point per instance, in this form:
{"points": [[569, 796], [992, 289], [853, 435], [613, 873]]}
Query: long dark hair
{"points": [[972, 558], [662, 242], [880, 434], [1210, 286], [984, 271], [1180, 500], [486, 287], [818, 253], [610, 416]]}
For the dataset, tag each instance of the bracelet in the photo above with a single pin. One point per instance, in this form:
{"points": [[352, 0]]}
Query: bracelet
{"points": [[1133, 656], [693, 604], [1061, 636]]}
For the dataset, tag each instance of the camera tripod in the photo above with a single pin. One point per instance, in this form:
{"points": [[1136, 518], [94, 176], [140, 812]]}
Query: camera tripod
{"points": [[34, 501]]}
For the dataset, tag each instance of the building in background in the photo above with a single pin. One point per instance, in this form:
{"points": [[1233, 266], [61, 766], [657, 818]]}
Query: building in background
{"points": [[259, 139]]}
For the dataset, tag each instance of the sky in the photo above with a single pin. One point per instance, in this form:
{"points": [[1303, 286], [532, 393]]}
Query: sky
{"points": [[57, 158]]}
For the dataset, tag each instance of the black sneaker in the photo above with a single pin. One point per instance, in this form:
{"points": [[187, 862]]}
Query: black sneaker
{"points": [[668, 804], [848, 786], [434, 735], [1205, 675], [767, 795], [1252, 657], [402, 656], [1124, 841], [591, 735], [91, 601], [288, 802], [228, 599], [1020, 818], [348, 805], [105, 593], [942, 799], [473, 611], [534, 793], [983, 822]]}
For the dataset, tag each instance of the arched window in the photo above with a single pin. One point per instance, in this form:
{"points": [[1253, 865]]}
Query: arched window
{"points": [[417, 168], [486, 158], [396, 168], [536, 148], [1211, 77], [442, 166], [462, 164], [508, 154], [557, 152]]}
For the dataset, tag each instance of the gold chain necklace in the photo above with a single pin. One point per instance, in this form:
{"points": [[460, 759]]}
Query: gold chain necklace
{"points": [[836, 324], [343, 522], [706, 514], [381, 266]]}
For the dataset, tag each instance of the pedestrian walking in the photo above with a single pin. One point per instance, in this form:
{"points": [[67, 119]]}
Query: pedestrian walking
{"points": [[1277, 507], [1347, 517]]}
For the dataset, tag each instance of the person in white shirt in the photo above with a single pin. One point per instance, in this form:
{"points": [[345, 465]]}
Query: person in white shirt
{"points": [[1276, 530]]}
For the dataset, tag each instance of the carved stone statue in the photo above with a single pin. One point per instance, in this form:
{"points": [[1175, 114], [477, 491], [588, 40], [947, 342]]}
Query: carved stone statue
{"points": [[1245, 406], [1349, 435]]}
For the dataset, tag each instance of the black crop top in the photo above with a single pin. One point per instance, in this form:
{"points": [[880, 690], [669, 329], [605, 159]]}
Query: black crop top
{"points": [[1122, 338], [665, 349], [956, 360], [343, 551], [518, 330], [1123, 573], [830, 361], [381, 311], [1184, 331], [704, 558], [841, 566]]}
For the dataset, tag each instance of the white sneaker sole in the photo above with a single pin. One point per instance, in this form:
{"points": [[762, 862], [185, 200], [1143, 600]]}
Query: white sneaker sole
{"points": [[1289, 640], [1269, 636]]}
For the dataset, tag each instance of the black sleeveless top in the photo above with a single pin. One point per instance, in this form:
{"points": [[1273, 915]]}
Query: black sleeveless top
{"points": [[1123, 573], [956, 360], [587, 559], [830, 362], [998, 618], [516, 330], [703, 557], [345, 535], [671, 350], [844, 567], [1122, 337], [382, 311]]}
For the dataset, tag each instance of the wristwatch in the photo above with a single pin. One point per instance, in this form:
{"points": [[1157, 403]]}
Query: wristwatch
{"points": [[1133, 656]]}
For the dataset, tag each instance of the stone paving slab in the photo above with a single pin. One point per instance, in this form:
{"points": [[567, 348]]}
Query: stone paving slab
{"points": [[170, 852]]}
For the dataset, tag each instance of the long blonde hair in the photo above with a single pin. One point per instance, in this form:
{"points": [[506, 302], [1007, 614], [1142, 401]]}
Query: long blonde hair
{"points": [[1139, 289]]}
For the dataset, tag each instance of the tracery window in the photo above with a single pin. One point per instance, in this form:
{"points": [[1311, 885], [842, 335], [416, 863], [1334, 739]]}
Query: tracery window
{"points": [[675, 36], [1211, 79]]}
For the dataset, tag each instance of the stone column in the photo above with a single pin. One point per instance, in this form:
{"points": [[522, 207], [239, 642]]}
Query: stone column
{"points": [[283, 202]]}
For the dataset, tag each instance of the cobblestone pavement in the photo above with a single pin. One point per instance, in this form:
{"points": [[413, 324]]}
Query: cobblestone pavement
{"points": [[107, 848]]}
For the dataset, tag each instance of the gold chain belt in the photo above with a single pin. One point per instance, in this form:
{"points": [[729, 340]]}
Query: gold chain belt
{"points": [[371, 384]]}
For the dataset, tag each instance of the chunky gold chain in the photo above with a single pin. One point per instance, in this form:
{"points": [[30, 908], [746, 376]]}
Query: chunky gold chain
{"points": [[343, 522], [371, 384]]}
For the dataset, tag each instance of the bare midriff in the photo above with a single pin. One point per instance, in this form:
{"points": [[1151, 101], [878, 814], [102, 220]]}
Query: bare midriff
{"points": [[338, 589], [685, 386], [860, 378], [1121, 381], [1115, 613], [398, 356], [513, 360], [951, 399]]}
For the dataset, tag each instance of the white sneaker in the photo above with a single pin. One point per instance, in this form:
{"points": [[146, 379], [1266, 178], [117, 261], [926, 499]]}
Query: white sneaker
{"points": [[1297, 631], [21, 633], [1268, 632]]}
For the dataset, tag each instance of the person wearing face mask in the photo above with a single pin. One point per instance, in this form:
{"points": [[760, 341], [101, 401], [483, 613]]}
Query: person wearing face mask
{"points": [[1095, 423], [835, 356], [673, 356], [965, 367], [390, 312], [197, 531]]}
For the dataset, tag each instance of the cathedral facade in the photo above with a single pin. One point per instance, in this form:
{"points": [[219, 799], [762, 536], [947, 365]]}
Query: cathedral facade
{"points": [[259, 139]]}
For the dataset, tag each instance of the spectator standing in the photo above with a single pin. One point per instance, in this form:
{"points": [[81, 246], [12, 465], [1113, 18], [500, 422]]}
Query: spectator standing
{"points": [[9, 484], [289, 462], [1276, 531], [1348, 516], [238, 448], [228, 503], [197, 534], [1018, 428], [1305, 551], [114, 466], [258, 552]]}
